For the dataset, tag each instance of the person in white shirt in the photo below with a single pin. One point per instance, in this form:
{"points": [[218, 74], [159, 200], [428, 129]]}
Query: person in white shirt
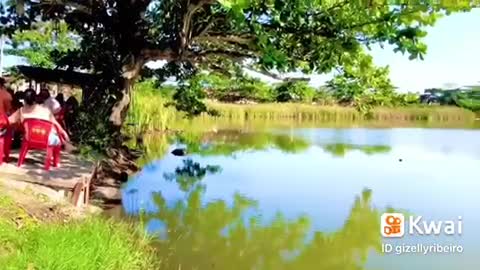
{"points": [[48, 101]]}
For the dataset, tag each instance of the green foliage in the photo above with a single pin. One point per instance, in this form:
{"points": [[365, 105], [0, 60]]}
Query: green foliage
{"points": [[295, 91], [241, 238], [340, 149], [148, 109], [324, 96], [83, 245], [188, 98], [92, 131], [43, 45], [235, 88], [365, 86], [314, 36], [231, 142], [254, 89], [361, 82], [407, 99], [469, 100], [189, 174]]}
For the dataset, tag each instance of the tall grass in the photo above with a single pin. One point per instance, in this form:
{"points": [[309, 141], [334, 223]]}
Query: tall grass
{"points": [[307, 112], [94, 243], [148, 112]]}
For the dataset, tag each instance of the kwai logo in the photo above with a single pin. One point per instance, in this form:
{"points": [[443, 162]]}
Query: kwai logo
{"points": [[393, 225]]}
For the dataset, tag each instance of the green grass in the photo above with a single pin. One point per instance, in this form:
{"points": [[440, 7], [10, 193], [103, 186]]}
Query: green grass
{"points": [[149, 113], [93, 243], [316, 113]]}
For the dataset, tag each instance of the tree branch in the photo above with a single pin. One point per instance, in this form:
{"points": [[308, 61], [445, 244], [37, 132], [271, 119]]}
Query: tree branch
{"points": [[72, 4], [157, 54], [186, 33], [221, 52], [235, 39], [207, 27]]}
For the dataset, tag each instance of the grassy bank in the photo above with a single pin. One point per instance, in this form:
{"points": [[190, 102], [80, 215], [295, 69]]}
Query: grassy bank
{"points": [[148, 112], [29, 240], [308, 112]]}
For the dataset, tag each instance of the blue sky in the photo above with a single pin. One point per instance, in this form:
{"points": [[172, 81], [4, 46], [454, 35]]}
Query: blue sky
{"points": [[453, 56], [452, 59]]}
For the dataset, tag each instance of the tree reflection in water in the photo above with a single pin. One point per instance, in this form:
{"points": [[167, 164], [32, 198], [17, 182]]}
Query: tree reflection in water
{"points": [[230, 142], [341, 149], [216, 235]]}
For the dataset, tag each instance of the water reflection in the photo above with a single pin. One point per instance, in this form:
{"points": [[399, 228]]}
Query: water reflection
{"points": [[214, 235], [341, 149], [228, 142], [200, 234], [189, 175], [313, 190]]}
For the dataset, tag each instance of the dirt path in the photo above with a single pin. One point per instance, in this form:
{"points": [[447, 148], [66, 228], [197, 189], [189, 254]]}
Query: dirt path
{"points": [[23, 206]]}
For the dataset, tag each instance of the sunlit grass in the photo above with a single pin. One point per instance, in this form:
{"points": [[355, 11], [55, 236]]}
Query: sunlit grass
{"points": [[148, 110], [149, 113], [316, 113], [94, 243]]}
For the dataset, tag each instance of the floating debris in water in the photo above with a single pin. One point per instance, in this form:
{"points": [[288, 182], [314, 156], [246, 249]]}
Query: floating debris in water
{"points": [[179, 152]]}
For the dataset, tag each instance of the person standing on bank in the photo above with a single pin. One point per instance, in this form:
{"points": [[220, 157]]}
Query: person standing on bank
{"points": [[48, 101]]}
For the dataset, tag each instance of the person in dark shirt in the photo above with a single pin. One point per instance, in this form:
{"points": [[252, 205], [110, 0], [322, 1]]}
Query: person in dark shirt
{"points": [[18, 100], [61, 99]]}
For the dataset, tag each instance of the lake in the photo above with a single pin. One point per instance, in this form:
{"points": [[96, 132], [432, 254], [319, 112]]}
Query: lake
{"points": [[311, 198]]}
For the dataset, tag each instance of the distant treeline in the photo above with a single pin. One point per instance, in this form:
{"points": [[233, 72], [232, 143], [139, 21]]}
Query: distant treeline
{"points": [[468, 98]]}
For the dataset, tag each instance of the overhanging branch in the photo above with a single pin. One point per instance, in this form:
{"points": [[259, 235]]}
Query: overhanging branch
{"points": [[235, 39], [157, 54]]}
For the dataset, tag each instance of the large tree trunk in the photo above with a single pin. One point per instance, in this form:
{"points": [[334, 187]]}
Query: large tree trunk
{"points": [[120, 108]]}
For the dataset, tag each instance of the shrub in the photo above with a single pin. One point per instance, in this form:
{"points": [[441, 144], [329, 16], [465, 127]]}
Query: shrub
{"points": [[295, 91]]}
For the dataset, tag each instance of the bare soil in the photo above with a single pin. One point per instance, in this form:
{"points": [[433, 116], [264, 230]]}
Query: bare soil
{"points": [[24, 206]]}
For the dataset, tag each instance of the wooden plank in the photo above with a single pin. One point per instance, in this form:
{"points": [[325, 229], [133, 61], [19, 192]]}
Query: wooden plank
{"points": [[81, 191]]}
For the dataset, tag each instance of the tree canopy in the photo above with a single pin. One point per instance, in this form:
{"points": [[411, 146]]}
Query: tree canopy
{"points": [[43, 44], [281, 35], [119, 37]]}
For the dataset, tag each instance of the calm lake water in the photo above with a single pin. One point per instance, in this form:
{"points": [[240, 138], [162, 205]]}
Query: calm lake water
{"points": [[311, 198]]}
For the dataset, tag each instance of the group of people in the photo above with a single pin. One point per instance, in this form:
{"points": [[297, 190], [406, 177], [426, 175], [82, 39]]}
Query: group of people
{"points": [[21, 105]]}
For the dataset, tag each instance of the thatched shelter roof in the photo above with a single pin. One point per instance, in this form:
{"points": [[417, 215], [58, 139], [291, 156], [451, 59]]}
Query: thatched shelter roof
{"points": [[57, 76]]}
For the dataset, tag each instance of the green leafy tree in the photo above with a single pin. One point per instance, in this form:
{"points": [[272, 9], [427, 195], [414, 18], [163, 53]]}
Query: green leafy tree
{"points": [[119, 37], [468, 99], [360, 82], [295, 91], [235, 86], [44, 44]]}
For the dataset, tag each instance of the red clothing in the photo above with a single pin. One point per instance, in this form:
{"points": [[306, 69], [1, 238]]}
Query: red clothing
{"points": [[5, 102], [3, 121]]}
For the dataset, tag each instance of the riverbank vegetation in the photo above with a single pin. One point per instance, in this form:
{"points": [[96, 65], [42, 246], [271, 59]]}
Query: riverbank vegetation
{"points": [[33, 236], [220, 37], [207, 45], [150, 112]]}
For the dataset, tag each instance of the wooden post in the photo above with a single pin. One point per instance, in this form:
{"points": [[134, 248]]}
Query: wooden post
{"points": [[81, 191]]}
